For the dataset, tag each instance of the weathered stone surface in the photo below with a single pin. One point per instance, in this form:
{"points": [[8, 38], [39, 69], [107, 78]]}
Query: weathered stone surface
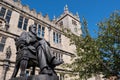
{"points": [[38, 77]]}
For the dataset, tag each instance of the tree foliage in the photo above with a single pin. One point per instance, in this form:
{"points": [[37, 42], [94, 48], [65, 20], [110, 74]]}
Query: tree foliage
{"points": [[99, 55], [109, 44]]}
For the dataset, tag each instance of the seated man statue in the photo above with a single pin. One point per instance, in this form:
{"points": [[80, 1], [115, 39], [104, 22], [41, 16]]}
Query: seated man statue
{"points": [[34, 51]]}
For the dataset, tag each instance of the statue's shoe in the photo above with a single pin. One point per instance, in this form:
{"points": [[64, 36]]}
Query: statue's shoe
{"points": [[46, 71], [57, 62]]}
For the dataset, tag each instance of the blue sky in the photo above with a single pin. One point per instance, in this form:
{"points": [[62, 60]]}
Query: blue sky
{"points": [[93, 10]]}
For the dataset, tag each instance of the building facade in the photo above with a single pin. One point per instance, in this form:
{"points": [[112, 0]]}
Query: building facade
{"points": [[19, 17]]}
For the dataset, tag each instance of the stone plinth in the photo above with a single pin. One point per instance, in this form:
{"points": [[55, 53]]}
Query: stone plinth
{"points": [[38, 77]]}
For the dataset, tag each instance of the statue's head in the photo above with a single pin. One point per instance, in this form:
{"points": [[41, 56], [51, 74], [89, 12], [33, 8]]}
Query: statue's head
{"points": [[33, 29]]}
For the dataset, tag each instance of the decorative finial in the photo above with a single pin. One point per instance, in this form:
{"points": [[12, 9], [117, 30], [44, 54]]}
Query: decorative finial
{"points": [[77, 14], [47, 17], [54, 18], [66, 9], [40, 13]]}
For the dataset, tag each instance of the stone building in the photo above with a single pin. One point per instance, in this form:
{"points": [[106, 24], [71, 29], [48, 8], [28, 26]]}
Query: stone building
{"points": [[16, 18]]}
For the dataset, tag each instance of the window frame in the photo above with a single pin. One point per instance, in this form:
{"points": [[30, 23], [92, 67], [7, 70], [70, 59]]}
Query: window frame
{"points": [[6, 14], [61, 23], [56, 37], [40, 30], [2, 42], [23, 23], [74, 22]]}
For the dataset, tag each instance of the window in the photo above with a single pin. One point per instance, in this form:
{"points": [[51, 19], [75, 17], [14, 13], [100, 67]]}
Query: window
{"points": [[20, 22], [2, 12], [2, 42], [43, 29], [56, 37], [23, 22], [59, 38], [40, 30], [74, 22], [61, 23], [6, 14]]}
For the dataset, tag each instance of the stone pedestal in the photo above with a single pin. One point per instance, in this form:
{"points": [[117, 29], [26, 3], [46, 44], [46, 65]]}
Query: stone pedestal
{"points": [[38, 77]]}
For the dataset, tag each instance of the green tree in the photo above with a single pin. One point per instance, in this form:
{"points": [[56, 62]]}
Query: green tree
{"points": [[99, 55], [86, 62], [109, 44]]}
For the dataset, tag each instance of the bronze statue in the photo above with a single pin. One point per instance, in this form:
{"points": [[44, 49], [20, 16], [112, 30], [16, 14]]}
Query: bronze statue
{"points": [[34, 51]]}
